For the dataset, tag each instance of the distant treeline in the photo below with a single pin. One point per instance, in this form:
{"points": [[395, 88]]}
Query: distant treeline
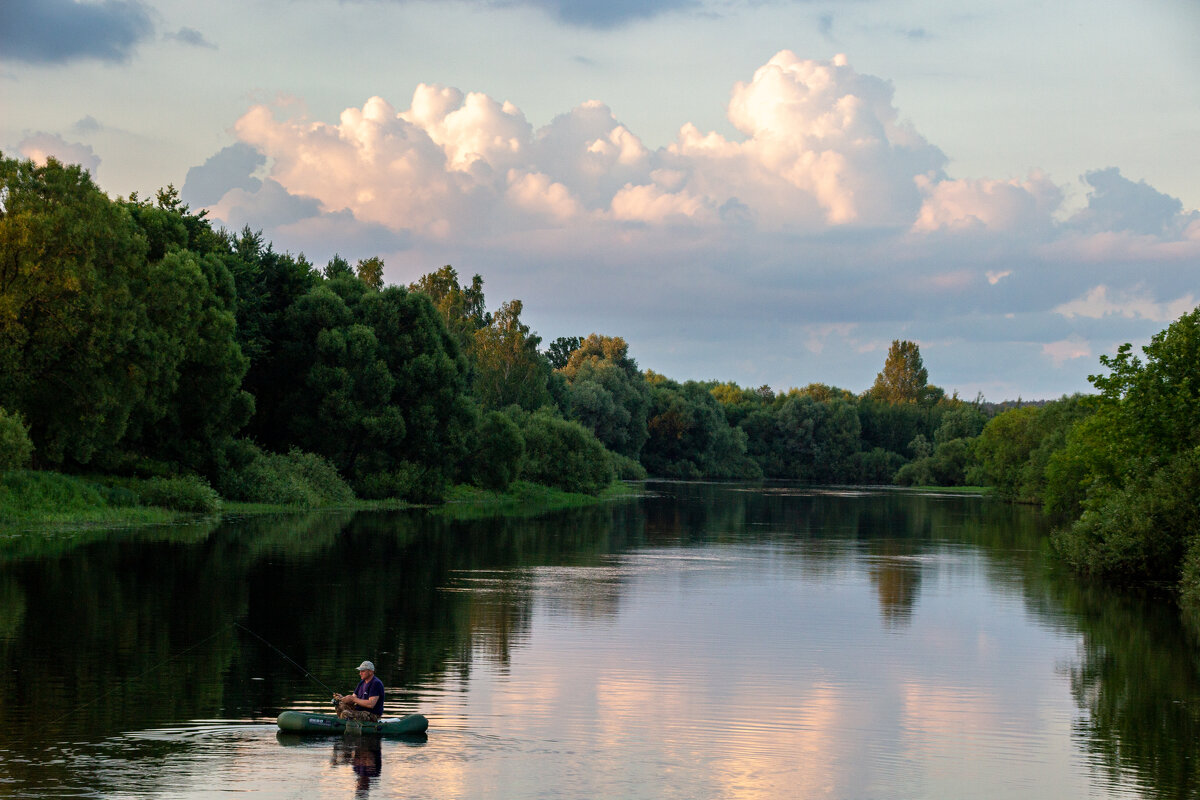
{"points": [[137, 340]]}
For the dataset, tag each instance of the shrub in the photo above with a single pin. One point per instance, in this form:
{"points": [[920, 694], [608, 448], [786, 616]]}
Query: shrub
{"points": [[16, 449], [562, 454], [1140, 531], [499, 450], [408, 481], [626, 469], [26, 491], [189, 493], [295, 478]]}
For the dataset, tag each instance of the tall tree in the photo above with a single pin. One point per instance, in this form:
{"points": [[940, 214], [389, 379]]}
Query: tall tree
{"points": [[370, 272], [607, 393], [904, 378], [71, 262], [508, 367]]}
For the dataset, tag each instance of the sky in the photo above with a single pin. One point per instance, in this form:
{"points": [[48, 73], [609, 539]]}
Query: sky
{"points": [[762, 191]]}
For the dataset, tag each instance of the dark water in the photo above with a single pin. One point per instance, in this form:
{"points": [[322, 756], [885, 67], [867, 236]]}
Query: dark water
{"points": [[704, 642]]}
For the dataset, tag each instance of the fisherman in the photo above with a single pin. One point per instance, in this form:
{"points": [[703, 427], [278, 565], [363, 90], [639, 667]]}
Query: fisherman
{"points": [[366, 704]]}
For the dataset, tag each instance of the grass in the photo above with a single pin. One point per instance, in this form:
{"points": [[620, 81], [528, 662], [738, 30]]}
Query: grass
{"points": [[985, 490], [522, 499], [41, 500]]}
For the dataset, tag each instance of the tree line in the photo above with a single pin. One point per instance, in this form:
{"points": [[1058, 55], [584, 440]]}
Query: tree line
{"points": [[136, 339]]}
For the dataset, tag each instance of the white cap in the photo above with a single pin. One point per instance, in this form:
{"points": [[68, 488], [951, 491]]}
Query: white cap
{"points": [[366, 665]]}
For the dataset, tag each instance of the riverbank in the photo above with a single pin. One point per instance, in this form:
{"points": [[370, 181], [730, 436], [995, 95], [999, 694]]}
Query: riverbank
{"points": [[42, 500]]}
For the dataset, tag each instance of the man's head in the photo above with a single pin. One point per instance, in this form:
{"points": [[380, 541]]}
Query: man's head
{"points": [[366, 669]]}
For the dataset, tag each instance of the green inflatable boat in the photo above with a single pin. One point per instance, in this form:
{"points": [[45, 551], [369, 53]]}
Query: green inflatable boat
{"points": [[305, 722]]}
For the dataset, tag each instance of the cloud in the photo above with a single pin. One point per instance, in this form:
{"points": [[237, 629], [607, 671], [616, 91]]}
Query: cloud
{"points": [[191, 36], [1066, 350], [60, 31], [1133, 304], [826, 217], [605, 13], [87, 124], [1116, 203], [231, 168], [823, 145], [992, 205], [41, 146]]}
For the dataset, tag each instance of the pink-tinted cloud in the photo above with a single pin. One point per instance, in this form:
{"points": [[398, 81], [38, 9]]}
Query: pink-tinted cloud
{"points": [[41, 146]]}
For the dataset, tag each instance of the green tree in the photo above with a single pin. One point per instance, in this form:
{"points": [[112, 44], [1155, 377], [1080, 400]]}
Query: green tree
{"points": [[16, 449], [71, 263], [509, 370], [559, 352], [462, 307], [370, 272], [608, 394], [904, 378]]}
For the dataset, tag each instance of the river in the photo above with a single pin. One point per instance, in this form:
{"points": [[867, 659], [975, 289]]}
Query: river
{"points": [[699, 641]]}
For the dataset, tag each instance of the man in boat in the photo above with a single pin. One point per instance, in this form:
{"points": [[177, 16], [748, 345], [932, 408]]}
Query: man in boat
{"points": [[366, 704]]}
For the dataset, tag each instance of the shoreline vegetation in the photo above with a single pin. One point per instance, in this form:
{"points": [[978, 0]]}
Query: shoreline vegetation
{"points": [[152, 365]]}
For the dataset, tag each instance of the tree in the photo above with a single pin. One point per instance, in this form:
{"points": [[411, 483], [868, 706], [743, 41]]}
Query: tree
{"points": [[559, 352], [370, 272], [608, 394], [462, 307], [509, 370], [904, 378], [71, 262], [338, 267]]}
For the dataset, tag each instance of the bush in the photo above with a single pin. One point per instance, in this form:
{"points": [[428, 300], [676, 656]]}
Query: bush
{"points": [[297, 478], [499, 450], [408, 481], [1141, 531], [28, 491], [189, 493], [626, 469], [562, 454], [16, 449], [875, 466]]}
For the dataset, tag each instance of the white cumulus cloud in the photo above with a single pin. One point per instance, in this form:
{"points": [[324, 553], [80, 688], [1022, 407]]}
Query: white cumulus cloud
{"points": [[1099, 302]]}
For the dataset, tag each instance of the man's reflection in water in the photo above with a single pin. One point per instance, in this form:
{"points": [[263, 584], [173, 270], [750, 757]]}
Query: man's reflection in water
{"points": [[365, 756]]}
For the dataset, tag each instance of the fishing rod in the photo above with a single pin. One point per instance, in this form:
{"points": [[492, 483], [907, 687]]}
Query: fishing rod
{"points": [[285, 655]]}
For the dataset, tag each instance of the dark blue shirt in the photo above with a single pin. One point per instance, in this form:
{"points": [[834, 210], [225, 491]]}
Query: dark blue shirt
{"points": [[372, 688]]}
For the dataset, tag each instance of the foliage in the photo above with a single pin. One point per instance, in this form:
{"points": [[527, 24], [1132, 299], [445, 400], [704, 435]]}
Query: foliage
{"points": [[71, 263], [904, 378], [562, 453], [945, 466], [1016, 447], [608, 394], [295, 478], [508, 367], [188, 493], [1134, 467], [370, 272], [689, 436], [497, 452], [559, 352], [15, 446], [462, 307], [1140, 531]]}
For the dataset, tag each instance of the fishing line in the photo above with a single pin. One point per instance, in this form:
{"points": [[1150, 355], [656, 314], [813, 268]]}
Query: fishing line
{"points": [[285, 655], [128, 681]]}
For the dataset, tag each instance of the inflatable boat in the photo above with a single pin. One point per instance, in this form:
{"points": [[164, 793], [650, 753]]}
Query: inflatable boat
{"points": [[306, 722]]}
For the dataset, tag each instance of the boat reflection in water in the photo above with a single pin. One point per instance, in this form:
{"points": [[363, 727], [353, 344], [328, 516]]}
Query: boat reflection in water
{"points": [[365, 756]]}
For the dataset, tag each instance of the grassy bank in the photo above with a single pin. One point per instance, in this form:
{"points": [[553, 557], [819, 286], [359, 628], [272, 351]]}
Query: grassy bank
{"points": [[522, 499], [36, 500]]}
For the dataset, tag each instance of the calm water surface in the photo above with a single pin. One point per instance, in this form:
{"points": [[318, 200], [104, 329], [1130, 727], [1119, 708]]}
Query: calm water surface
{"points": [[706, 641]]}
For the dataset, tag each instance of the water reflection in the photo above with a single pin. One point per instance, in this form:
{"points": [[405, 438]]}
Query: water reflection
{"points": [[761, 642], [365, 757]]}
